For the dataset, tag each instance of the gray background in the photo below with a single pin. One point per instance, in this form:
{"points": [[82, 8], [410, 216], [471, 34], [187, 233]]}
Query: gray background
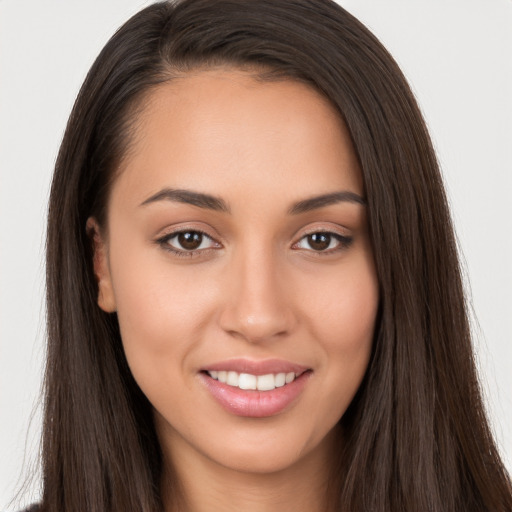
{"points": [[457, 55]]}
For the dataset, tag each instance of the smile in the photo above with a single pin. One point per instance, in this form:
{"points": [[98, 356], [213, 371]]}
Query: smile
{"points": [[255, 382], [255, 389]]}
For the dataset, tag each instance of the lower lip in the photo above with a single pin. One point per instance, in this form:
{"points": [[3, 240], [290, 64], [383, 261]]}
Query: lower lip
{"points": [[253, 403]]}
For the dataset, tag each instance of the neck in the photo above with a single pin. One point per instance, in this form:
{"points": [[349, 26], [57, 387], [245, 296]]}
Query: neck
{"points": [[198, 484]]}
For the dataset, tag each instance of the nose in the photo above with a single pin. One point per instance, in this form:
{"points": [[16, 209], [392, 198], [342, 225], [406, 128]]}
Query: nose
{"points": [[258, 305]]}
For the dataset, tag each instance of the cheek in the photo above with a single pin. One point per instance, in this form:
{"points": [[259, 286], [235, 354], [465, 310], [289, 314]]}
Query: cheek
{"points": [[161, 310], [343, 324], [344, 306]]}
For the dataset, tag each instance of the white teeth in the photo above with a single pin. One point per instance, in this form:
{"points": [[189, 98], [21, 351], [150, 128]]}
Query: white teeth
{"points": [[266, 382], [280, 380], [247, 381], [232, 379]]}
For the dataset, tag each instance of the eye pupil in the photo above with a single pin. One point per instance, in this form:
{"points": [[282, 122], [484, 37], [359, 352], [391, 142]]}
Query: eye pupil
{"points": [[190, 240], [319, 241]]}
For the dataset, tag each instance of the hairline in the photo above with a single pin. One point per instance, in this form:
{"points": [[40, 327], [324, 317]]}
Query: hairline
{"points": [[132, 118]]}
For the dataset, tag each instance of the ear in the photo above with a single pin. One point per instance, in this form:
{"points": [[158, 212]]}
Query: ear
{"points": [[106, 298]]}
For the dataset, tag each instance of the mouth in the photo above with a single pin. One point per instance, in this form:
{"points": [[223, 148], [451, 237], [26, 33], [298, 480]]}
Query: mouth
{"points": [[255, 389]]}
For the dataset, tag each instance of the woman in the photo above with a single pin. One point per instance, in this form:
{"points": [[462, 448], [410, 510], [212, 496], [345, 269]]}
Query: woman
{"points": [[254, 299]]}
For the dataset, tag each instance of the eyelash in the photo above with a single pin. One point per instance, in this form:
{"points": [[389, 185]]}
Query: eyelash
{"points": [[344, 243], [183, 253]]}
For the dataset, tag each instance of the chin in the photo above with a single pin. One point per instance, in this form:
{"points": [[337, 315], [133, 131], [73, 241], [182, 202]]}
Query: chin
{"points": [[279, 452], [250, 462]]}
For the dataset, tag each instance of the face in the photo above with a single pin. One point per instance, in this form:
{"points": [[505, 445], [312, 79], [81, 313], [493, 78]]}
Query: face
{"points": [[237, 258]]}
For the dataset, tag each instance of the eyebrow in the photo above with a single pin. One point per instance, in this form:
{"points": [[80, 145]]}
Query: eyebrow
{"points": [[323, 200], [199, 199], [214, 203]]}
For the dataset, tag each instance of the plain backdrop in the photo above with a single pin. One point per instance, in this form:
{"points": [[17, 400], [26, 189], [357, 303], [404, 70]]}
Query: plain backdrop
{"points": [[457, 55]]}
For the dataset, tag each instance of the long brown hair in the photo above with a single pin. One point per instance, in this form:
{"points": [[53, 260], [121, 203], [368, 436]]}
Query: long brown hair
{"points": [[415, 437]]}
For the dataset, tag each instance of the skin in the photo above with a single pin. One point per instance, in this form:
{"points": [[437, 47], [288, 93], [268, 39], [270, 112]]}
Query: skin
{"points": [[255, 289]]}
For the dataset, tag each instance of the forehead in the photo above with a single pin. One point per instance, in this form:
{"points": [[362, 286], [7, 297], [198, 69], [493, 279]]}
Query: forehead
{"points": [[210, 128]]}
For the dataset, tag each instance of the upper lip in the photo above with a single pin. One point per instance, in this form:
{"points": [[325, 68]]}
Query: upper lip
{"points": [[255, 367]]}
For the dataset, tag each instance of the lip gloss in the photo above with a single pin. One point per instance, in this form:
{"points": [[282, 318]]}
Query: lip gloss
{"points": [[254, 403]]}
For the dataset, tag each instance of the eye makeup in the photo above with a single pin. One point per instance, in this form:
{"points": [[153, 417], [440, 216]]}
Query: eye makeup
{"points": [[193, 242]]}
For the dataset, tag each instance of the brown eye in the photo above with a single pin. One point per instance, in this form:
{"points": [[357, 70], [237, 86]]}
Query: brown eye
{"points": [[323, 241], [190, 240], [319, 241], [187, 242]]}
